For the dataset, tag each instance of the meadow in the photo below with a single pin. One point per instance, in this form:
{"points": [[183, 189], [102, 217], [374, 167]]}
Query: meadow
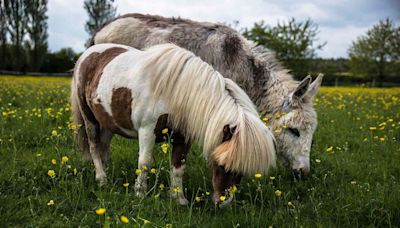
{"points": [[44, 182]]}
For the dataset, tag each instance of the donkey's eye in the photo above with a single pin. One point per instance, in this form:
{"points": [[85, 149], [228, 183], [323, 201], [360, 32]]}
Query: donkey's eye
{"points": [[294, 131]]}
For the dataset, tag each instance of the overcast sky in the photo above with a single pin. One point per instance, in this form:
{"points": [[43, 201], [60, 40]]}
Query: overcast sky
{"points": [[340, 22]]}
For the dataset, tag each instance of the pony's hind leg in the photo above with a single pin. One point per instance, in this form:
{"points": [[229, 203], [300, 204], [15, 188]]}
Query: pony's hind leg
{"points": [[105, 141], [94, 138], [179, 152], [146, 146]]}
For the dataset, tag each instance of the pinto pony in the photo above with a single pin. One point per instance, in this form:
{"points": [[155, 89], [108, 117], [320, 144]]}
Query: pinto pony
{"points": [[117, 89], [286, 103]]}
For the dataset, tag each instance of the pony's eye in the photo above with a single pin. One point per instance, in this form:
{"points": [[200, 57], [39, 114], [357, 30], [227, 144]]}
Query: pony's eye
{"points": [[294, 131]]}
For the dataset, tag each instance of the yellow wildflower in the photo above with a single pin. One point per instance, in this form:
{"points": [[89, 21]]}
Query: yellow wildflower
{"points": [[153, 171], [272, 178], [101, 211], [144, 167], [64, 159], [382, 139], [317, 160], [145, 221], [50, 203], [138, 171], [165, 131], [290, 204], [222, 198], [265, 119], [232, 190], [168, 225], [372, 128], [157, 196], [177, 190], [161, 186], [124, 219], [353, 182], [75, 171], [4, 114], [53, 161], [126, 184], [277, 115], [197, 199], [51, 173], [164, 148], [208, 193], [54, 133], [258, 175], [329, 149], [278, 193]]}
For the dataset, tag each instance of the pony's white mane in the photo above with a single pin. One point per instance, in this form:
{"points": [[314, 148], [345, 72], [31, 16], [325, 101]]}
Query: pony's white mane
{"points": [[201, 102]]}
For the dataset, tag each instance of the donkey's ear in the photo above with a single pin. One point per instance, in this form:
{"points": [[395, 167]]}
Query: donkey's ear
{"points": [[302, 88], [314, 88]]}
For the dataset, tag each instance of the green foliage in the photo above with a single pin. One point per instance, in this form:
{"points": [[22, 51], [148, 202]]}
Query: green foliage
{"points": [[99, 12], [354, 179], [61, 61], [293, 42], [377, 52]]}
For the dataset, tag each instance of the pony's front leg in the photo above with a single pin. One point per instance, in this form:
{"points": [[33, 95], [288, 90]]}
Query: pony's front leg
{"points": [[146, 145], [179, 152]]}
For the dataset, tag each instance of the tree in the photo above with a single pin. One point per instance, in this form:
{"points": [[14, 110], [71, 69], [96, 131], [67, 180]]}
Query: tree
{"points": [[99, 11], [16, 25], [293, 42], [376, 52], [35, 11], [3, 35]]}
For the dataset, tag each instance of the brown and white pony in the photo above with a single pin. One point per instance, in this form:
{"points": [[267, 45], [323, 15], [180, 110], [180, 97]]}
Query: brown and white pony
{"points": [[286, 103], [117, 89]]}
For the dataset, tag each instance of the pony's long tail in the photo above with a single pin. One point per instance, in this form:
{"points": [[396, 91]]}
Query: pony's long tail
{"points": [[80, 135]]}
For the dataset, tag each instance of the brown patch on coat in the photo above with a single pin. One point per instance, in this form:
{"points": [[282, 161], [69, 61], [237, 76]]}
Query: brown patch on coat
{"points": [[91, 69], [121, 107]]}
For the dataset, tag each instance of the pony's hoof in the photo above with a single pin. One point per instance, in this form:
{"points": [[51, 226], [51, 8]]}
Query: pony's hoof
{"points": [[101, 181], [183, 201], [140, 190]]}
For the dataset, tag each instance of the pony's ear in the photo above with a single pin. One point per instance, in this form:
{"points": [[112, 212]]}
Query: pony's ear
{"points": [[302, 88], [313, 89]]}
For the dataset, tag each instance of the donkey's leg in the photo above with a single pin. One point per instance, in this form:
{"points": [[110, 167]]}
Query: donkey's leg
{"points": [[179, 152], [223, 181], [146, 146], [94, 135]]}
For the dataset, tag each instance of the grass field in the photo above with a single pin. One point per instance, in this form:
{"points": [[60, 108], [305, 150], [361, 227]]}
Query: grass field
{"points": [[354, 179]]}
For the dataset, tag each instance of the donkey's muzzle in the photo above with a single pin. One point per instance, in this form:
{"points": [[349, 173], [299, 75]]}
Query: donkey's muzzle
{"points": [[300, 173]]}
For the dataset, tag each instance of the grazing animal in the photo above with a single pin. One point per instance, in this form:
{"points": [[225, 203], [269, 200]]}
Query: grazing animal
{"points": [[286, 103], [117, 89]]}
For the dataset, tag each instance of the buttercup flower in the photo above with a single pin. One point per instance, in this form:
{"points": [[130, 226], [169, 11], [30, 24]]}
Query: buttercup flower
{"points": [[329, 149], [222, 198], [278, 193], [50, 203], [53, 161], [258, 175], [101, 211], [197, 199], [51, 173], [138, 171], [165, 131], [64, 159], [126, 185], [153, 171], [272, 178], [54, 133], [124, 219], [164, 148]]}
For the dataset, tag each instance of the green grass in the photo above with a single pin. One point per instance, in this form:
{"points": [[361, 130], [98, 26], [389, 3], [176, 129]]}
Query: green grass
{"points": [[355, 184]]}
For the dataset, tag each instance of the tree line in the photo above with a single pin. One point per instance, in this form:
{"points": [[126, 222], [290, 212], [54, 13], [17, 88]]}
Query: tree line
{"points": [[374, 55]]}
